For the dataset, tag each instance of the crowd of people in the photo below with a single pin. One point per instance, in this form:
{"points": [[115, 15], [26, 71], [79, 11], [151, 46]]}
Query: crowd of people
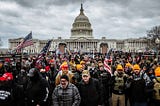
{"points": [[126, 79]]}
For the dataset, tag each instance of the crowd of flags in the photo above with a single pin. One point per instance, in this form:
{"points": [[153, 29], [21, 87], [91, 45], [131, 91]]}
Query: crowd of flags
{"points": [[28, 41]]}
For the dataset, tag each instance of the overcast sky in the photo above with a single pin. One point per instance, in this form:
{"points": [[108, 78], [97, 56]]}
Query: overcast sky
{"points": [[114, 19]]}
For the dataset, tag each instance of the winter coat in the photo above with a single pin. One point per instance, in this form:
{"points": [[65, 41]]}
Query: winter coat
{"points": [[11, 94], [66, 97], [91, 93], [37, 92]]}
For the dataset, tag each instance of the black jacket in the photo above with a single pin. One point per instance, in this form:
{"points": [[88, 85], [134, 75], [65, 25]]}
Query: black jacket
{"points": [[11, 94], [138, 90], [37, 92], [91, 93]]}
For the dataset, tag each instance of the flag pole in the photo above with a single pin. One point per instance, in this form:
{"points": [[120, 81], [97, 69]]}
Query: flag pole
{"points": [[21, 53]]}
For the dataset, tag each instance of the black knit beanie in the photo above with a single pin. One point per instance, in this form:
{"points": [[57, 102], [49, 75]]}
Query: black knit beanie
{"points": [[65, 77]]}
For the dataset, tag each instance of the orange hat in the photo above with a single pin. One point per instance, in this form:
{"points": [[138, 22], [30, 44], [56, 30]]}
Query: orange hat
{"points": [[128, 65], [157, 72], [136, 67], [119, 67], [78, 66], [64, 66]]}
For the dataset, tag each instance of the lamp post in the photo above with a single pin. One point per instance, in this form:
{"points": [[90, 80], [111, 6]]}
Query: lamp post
{"points": [[157, 41]]}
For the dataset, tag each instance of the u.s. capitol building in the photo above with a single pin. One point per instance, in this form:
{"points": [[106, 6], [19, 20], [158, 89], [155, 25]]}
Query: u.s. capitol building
{"points": [[82, 40]]}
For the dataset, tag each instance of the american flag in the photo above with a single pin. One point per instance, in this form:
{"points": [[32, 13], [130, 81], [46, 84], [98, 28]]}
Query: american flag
{"points": [[43, 52], [46, 47], [107, 60], [27, 41]]}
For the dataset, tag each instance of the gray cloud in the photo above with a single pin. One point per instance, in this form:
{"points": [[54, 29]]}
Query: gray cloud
{"points": [[117, 19], [44, 3]]}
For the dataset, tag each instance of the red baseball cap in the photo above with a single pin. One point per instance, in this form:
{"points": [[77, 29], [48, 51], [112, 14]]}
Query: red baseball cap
{"points": [[6, 77], [2, 79]]}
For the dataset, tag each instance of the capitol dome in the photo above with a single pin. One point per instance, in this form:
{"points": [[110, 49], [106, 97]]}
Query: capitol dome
{"points": [[81, 17], [81, 26]]}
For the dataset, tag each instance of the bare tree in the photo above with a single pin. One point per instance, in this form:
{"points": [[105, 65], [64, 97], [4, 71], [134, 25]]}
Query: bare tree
{"points": [[152, 35]]}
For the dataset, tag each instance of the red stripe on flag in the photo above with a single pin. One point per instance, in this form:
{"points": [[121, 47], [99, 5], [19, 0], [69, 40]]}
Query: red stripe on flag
{"points": [[107, 67], [27, 41]]}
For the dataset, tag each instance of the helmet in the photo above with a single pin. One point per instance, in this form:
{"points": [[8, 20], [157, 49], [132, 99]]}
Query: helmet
{"points": [[136, 67], [157, 72], [128, 65], [119, 67], [78, 66]]}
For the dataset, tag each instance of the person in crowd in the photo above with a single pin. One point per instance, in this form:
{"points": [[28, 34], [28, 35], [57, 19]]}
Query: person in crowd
{"points": [[72, 64], [118, 86], [64, 71], [2, 70], [10, 93], [52, 73], [156, 94], [78, 74], [83, 63], [139, 82], [37, 89], [66, 93], [22, 78], [104, 78], [128, 70], [144, 69], [93, 70], [90, 90]]}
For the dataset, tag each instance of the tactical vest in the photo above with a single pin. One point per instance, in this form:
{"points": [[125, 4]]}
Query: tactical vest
{"points": [[119, 84], [157, 89]]}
